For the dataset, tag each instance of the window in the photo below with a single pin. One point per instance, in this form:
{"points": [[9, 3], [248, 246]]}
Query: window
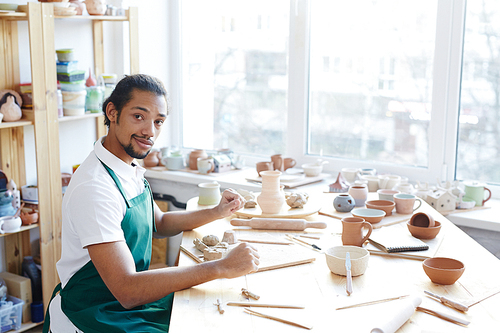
{"points": [[406, 87], [235, 75], [478, 153]]}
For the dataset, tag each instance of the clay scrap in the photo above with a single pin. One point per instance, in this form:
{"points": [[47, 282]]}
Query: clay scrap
{"points": [[250, 199], [211, 248], [296, 199]]}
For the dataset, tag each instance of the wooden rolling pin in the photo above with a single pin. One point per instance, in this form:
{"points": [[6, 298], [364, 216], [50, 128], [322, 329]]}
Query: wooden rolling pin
{"points": [[278, 224]]}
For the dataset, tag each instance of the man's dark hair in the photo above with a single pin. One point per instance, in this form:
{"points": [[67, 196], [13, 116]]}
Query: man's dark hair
{"points": [[122, 93]]}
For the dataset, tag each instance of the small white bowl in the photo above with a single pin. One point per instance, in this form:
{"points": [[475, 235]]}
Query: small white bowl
{"points": [[312, 169], [335, 259]]}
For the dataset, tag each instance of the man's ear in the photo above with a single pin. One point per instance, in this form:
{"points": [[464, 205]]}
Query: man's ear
{"points": [[111, 112]]}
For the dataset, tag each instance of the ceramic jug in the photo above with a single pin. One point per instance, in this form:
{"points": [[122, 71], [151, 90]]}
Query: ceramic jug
{"points": [[475, 191], [343, 203], [264, 166], [271, 199], [278, 162], [352, 231], [193, 158], [288, 163], [360, 193], [205, 165]]}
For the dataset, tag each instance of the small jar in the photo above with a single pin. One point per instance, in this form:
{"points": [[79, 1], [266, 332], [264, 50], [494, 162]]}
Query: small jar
{"points": [[93, 102], [109, 84]]}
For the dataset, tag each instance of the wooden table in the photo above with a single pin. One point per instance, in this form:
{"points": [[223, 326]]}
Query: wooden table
{"points": [[321, 292]]}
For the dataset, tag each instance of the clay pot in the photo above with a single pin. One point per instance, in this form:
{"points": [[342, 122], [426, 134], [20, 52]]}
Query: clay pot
{"points": [[152, 159], [343, 203], [335, 259], [443, 270], [424, 232], [422, 220], [359, 193], [271, 199], [29, 218], [386, 205], [96, 7], [193, 158], [278, 162], [80, 8], [264, 166]]}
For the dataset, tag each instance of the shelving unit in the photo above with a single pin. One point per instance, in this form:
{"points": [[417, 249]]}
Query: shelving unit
{"points": [[40, 17]]}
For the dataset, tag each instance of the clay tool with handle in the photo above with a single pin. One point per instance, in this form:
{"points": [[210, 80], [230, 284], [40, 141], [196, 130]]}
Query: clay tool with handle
{"points": [[259, 314], [300, 241], [266, 305], [348, 287], [448, 302], [277, 223]]}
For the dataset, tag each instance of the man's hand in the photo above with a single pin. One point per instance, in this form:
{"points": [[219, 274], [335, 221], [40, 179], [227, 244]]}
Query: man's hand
{"points": [[230, 202], [242, 260]]}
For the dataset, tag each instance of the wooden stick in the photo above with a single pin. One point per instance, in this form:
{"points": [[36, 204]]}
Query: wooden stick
{"points": [[264, 241], [219, 307], [255, 313], [310, 236], [265, 305], [249, 294], [329, 215], [295, 263], [389, 224], [372, 302], [398, 255], [190, 255], [304, 243]]}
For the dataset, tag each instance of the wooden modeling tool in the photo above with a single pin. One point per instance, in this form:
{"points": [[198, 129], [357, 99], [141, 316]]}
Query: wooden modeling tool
{"points": [[446, 301], [278, 224], [372, 302], [302, 242], [348, 287], [266, 305], [249, 294], [447, 317], [484, 298], [261, 241], [219, 306], [259, 314]]}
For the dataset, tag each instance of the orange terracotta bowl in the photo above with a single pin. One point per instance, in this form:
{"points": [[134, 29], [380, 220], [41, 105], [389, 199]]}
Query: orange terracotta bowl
{"points": [[424, 232], [29, 218], [370, 215], [443, 270], [386, 205]]}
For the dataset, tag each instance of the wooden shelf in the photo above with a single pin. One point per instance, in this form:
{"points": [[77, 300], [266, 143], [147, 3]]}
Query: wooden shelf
{"points": [[19, 123], [93, 17], [27, 326], [85, 116], [23, 228]]}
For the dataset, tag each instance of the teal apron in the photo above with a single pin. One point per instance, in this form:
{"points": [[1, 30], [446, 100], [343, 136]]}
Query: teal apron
{"points": [[89, 304]]}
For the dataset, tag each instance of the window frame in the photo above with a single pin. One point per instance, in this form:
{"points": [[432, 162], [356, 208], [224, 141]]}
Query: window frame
{"points": [[443, 128]]}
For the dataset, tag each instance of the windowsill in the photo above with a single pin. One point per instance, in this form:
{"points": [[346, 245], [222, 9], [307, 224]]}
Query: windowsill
{"points": [[487, 218]]}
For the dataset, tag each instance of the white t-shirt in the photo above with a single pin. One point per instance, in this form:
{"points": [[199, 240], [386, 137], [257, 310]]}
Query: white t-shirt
{"points": [[93, 208]]}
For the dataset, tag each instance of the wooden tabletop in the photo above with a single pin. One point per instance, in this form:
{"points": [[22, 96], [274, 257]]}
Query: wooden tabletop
{"points": [[321, 292]]}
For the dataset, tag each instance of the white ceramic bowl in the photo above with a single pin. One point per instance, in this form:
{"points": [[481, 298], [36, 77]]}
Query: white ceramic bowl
{"points": [[335, 259], [369, 214], [10, 224], [312, 170]]}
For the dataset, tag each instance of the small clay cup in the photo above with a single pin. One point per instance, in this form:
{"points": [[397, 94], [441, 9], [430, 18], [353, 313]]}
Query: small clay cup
{"points": [[264, 166], [424, 232], [443, 270], [422, 220]]}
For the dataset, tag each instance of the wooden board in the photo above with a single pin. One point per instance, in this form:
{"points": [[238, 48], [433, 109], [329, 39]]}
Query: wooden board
{"points": [[272, 256], [456, 211], [395, 218], [292, 180], [285, 212]]}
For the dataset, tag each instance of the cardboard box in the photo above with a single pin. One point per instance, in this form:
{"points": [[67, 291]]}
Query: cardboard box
{"points": [[19, 287]]}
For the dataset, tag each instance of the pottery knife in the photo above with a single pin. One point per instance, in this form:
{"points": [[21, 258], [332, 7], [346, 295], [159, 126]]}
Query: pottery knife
{"points": [[448, 302], [348, 287]]}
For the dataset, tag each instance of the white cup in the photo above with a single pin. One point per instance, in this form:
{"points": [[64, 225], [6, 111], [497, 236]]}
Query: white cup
{"points": [[349, 174], [209, 193], [372, 182], [388, 181]]}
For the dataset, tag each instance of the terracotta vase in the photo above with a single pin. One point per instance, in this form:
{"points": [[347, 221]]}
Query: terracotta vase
{"points": [[152, 159], [359, 194], [193, 158], [352, 231], [271, 198]]}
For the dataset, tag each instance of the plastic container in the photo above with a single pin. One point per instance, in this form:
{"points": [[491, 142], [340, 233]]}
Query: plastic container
{"points": [[71, 77], [64, 55], [33, 273], [93, 103], [67, 66], [73, 86], [74, 98], [59, 103], [109, 83], [11, 317], [73, 111]]}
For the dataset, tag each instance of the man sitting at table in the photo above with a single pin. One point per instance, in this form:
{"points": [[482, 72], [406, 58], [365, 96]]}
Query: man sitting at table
{"points": [[109, 218]]}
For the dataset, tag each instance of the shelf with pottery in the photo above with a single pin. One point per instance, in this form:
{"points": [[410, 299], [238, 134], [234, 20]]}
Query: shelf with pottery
{"points": [[20, 123], [23, 229]]}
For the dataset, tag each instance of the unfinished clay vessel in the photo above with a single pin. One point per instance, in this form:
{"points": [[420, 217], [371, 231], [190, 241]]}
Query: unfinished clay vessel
{"points": [[359, 193], [443, 270], [352, 231], [271, 199], [422, 220], [424, 232]]}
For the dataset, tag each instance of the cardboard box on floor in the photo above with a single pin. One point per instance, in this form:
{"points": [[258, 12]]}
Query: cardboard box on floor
{"points": [[20, 287]]}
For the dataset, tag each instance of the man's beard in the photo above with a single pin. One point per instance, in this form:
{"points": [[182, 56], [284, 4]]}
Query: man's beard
{"points": [[132, 153]]}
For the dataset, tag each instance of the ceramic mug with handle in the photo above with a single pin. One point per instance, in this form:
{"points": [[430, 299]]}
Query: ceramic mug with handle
{"points": [[476, 191], [205, 165], [405, 203], [352, 231]]}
